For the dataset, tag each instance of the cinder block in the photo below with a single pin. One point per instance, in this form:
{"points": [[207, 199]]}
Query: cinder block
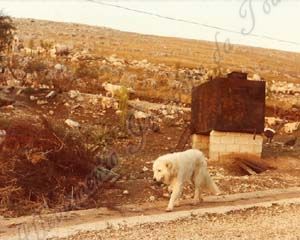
{"points": [[246, 148], [215, 139], [229, 139], [217, 147], [221, 144], [241, 140], [232, 148], [257, 148], [258, 140]]}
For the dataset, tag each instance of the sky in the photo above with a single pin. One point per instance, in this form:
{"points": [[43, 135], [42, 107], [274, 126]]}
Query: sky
{"points": [[271, 23]]}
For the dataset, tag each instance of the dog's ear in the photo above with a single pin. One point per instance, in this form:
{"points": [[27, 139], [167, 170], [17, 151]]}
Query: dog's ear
{"points": [[169, 165]]}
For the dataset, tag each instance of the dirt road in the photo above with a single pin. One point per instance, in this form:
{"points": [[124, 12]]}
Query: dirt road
{"points": [[276, 222], [257, 215]]}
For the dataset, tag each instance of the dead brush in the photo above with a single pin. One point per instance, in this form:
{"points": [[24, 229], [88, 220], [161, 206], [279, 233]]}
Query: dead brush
{"points": [[86, 70], [43, 162]]}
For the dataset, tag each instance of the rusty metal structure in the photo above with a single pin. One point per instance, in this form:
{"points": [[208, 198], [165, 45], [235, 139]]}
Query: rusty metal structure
{"points": [[229, 104]]}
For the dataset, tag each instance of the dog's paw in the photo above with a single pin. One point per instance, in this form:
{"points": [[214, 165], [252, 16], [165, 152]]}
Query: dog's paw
{"points": [[169, 209], [218, 193], [197, 202]]}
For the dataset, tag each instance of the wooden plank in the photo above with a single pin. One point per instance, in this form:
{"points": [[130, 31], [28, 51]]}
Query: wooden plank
{"points": [[246, 168]]}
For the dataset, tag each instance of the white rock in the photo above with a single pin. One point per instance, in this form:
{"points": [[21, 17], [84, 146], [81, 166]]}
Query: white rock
{"points": [[164, 112], [13, 83], [73, 94], [2, 135], [152, 198], [125, 192], [291, 127], [41, 102], [145, 169], [59, 67], [51, 94], [72, 123], [33, 98], [140, 115]]}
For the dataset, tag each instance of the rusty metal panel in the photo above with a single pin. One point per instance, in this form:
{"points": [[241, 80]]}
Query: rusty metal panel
{"points": [[228, 104]]}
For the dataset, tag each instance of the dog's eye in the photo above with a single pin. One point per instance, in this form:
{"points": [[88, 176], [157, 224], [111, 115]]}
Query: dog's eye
{"points": [[159, 170]]}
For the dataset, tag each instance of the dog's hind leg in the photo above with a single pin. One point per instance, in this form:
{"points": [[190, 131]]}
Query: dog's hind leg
{"points": [[210, 184], [198, 181]]}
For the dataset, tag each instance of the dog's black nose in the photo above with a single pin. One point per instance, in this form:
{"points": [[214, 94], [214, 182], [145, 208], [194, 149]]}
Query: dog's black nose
{"points": [[154, 179]]}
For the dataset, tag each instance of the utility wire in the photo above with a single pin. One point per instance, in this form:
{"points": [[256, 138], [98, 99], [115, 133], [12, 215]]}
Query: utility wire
{"points": [[190, 22]]}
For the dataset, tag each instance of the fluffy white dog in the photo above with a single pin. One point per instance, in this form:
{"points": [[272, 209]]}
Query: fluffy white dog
{"points": [[177, 168]]}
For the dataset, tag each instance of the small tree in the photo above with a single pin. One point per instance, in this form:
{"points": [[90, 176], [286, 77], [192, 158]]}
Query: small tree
{"points": [[6, 32]]}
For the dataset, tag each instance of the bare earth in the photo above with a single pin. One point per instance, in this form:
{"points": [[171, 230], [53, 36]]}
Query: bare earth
{"points": [[161, 70]]}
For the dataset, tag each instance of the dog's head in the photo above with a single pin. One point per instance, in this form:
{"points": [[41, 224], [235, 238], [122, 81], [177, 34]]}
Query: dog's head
{"points": [[163, 170]]}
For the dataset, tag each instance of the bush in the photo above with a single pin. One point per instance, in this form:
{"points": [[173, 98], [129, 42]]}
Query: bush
{"points": [[35, 65], [122, 96], [6, 32], [86, 71]]}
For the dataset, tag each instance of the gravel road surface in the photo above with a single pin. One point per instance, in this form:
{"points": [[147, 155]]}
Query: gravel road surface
{"points": [[276, 222]]}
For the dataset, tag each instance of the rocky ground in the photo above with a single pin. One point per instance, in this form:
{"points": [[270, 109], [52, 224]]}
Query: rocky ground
{"points": [[56, 114], [276, 222]]}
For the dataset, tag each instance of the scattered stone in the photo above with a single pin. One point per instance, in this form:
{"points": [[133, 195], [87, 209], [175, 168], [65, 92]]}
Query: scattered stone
{"points": [[60, 67], [125, 192], [76, 106], [41, 102], [33, 98], [145, 169], [51, 94], [2, 135], [152, 198], [74, 94], [8, 107], [72, 124]]}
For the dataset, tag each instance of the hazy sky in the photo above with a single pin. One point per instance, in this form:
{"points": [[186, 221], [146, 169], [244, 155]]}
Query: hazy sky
{"points": [[278, 21]]}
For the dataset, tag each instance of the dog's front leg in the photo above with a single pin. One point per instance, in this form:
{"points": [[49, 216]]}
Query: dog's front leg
{"points": [[176, 192]]}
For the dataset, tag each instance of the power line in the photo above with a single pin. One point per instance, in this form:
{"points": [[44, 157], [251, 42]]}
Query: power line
{"points": [[190, 22]]}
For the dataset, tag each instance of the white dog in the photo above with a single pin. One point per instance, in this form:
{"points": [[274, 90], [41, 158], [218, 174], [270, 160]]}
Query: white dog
{"points": [[175, 169]]}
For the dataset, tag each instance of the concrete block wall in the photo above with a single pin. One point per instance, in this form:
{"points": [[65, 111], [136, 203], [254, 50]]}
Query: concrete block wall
{"points": [[224, 143], [201, 142]]}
